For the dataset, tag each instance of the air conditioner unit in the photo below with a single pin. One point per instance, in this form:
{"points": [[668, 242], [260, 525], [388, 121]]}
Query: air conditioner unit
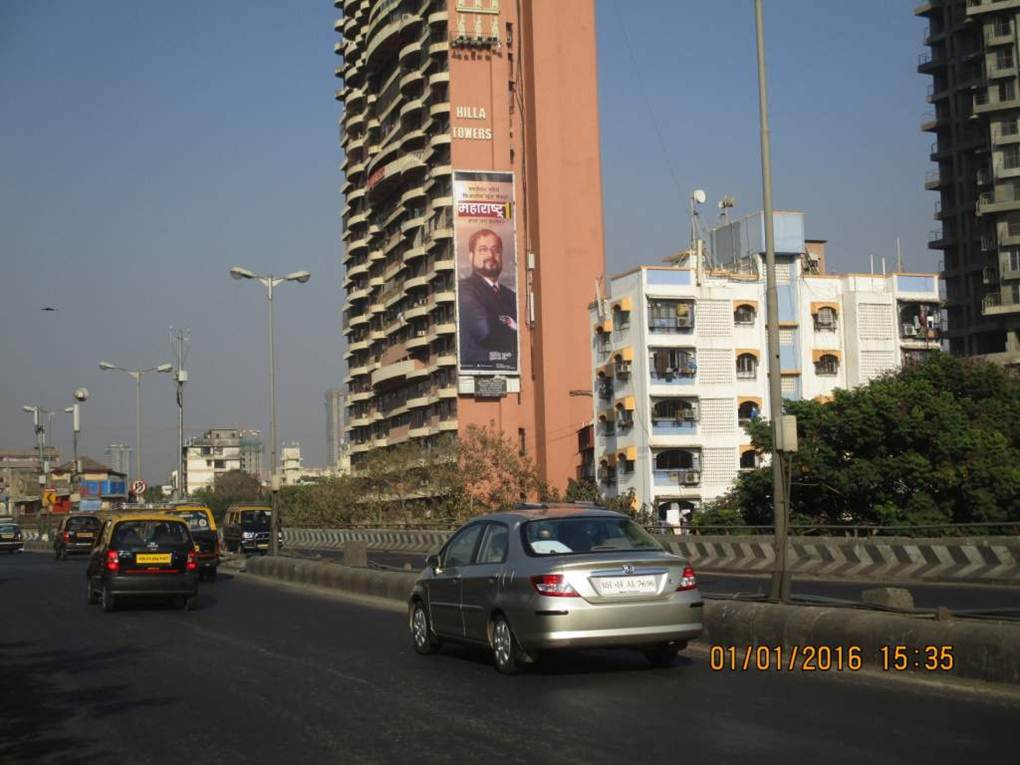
{"points": [[691, 414], [674, 475], [623, 367], [909, 330], [692, 477]]}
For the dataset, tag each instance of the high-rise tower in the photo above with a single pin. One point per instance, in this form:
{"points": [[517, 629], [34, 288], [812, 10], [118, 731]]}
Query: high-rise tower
{"points": [[473, 221]]}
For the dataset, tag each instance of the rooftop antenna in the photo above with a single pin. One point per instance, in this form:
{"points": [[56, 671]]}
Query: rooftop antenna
{"points": [[698, 197], [899, 257], [726, 203]]}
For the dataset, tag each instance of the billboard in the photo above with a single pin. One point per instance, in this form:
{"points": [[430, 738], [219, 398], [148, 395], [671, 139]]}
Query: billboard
{"points": [[485, 246]]}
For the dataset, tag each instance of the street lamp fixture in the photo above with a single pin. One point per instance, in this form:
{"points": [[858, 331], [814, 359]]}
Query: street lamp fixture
{"points": [[137, 375], [270, 282], [39, 427]]}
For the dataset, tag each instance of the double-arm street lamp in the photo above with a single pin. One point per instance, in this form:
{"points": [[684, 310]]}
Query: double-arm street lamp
{"points": [[80, 395], [40, 425], [137, 375], [270, 282]]}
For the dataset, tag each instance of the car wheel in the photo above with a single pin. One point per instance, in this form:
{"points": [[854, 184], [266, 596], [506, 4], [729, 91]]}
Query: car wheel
{"points": [[508, 656], [661, 655], [90, 594], [107, 599], [425, 642]]}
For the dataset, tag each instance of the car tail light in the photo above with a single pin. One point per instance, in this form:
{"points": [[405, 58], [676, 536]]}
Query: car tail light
{"points": [[192, 563], [112, 560], [67, 536], [687, 580], [553, 585]]}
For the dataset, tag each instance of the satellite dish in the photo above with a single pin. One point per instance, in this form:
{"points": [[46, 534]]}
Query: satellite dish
{"points": [[81, 394], [699, 196]]}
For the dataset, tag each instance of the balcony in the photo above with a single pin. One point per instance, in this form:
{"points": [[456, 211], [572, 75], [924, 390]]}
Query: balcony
{"points": [[675, 417], [392, 375], [940, 240], [670, 316], [933, 180], [928, 62], [672, 366], [993, 304], [1003, 199], [978, 7], [679, 478]]}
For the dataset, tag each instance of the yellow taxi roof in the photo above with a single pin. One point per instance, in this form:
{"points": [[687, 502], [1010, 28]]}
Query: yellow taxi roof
{"points": [[151, 516]]}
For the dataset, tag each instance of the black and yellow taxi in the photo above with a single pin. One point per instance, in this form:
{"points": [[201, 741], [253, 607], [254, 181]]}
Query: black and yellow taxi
{"points": [[76, 534], [246, 528], [143, 555], [202, 525]]}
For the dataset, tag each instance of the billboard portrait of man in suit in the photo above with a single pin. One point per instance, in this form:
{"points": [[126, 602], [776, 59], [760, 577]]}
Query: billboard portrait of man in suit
{"points": [[488, 309]]}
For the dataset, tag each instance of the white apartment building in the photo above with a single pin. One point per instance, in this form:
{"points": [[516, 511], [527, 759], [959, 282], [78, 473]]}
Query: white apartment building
{"points": [[679, 359], [220, 450]]}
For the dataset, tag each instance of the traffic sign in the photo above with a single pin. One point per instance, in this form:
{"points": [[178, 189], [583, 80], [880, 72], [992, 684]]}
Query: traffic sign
{"points": [[49, 497], [138, 487]]}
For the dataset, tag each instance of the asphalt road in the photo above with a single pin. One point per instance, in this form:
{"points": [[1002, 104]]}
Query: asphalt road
{"points": [[263, 673], [960, 597]]}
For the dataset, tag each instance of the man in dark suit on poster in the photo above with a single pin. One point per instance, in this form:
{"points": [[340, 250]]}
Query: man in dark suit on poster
{"points": [[488, 310]]}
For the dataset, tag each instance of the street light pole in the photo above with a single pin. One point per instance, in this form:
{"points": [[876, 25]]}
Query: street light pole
{"points": [[779, 589], [137, 375], [38, 413], [270, 282]]}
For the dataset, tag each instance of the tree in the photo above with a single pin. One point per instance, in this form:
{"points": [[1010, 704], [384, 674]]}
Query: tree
{"points": [[938, 442], [229, 488], [494, 474]]}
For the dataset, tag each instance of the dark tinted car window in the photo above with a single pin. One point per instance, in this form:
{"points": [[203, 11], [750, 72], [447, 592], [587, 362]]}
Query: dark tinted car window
{"points": [[143, 533], [563, 536], [494, 544], [458, 552], [197, 520], [82, 524], [257, 521]]}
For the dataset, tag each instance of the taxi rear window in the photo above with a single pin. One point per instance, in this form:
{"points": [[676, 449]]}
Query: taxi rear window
{"points": [[256, 519], [144, 533], [82, 524]]}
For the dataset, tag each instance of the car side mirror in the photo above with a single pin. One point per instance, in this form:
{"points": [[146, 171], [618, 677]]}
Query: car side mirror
{"points": [[432, 561]]}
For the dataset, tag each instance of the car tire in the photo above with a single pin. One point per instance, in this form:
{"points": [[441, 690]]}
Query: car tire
{"points": [[506, 653], [661, 656], [425, 641], [106, 598], [90, 594]]}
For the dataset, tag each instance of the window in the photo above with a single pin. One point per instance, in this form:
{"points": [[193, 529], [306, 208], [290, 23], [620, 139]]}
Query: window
{"points": [[670, 411], [748, 460], [676, 459], [1004, 58], [621, 318], [827, 365], [1011, 156], [626, 465], [825, 318], [747, 366], [605, 388], [609, 427], [219, 464], [670, 315], [494, 544], [1007, 91], [624, 418], [744, 314], [1002, 27], [585, 535], [667, 363], [460, 549], [1014, 259], [748, 412]]}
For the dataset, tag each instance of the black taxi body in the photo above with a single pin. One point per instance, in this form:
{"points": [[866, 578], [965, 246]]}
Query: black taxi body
{"points": [[203, 531], [246, 528], [143, 555], [10, 537], [76, 534]]}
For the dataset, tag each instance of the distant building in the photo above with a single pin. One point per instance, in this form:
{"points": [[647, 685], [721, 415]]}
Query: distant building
{"points": [[290, 464], [120, 457], [19, 478], [218, 451], [336, 442], [680, 362], [99, 487]]}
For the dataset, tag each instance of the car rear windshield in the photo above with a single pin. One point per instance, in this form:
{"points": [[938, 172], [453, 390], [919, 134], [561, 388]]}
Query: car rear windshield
{"points": [[257, 520], [82, 524], [8, 528], [566, 536], [197, 520], [143, 533]]}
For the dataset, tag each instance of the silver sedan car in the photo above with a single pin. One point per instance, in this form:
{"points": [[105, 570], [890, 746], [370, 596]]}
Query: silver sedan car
{"points": [[555, 576]]}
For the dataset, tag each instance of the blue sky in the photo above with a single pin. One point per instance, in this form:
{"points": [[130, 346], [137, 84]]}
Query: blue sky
{"points": [[146, 147]]}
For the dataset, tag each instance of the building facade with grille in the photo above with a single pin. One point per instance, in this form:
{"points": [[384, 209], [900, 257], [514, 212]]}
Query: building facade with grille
{"points": [[974, 120], [680, 362], [472, 220]]}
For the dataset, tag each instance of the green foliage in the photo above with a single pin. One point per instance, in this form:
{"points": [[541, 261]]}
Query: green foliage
{"points": [[229, 488], [937, 442], [582, 491]]}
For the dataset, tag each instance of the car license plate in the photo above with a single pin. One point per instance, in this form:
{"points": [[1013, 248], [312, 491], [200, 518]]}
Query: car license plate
{"points": [[7, 536], [152, 558], [625, 585], [84, 535]]}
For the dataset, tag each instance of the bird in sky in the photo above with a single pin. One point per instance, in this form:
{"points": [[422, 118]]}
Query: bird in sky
{"points": [[47, 308]]}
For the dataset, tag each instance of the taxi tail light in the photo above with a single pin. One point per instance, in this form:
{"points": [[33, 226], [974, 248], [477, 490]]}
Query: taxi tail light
{"points": [[687, 580], [192, 563], [112, 560], [553, 585], [67, 536]]}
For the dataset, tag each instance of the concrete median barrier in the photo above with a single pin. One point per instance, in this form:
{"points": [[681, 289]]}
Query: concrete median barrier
{"points": [[389, 585]]}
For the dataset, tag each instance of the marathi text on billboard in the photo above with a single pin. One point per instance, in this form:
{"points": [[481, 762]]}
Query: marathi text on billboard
{"points": [[486, 251]]}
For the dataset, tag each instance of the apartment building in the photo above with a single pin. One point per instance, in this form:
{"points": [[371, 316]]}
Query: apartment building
{"points": [[336, 442], [975, 123], [218, 451], [680, 364], [472, 220]]}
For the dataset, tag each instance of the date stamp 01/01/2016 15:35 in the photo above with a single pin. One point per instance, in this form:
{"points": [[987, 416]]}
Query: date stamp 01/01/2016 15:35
{"points": [[825, 658]]}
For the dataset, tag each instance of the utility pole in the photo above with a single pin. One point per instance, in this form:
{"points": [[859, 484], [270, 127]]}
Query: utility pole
{"points": [[779, 589], [180, 340]]}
